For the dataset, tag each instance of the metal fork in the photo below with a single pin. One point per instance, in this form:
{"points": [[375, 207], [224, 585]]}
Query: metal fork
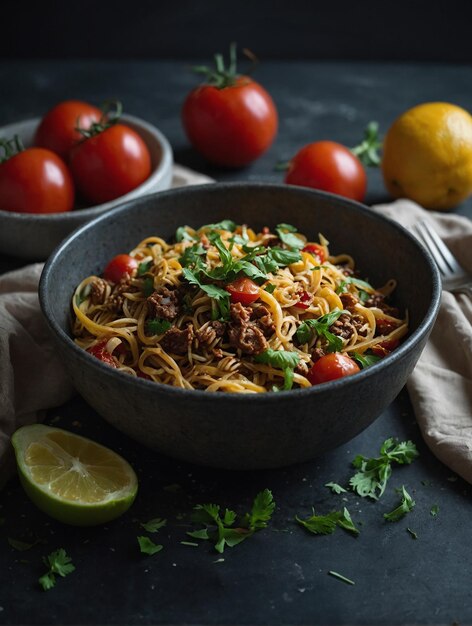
{"points": [[454, 277]]}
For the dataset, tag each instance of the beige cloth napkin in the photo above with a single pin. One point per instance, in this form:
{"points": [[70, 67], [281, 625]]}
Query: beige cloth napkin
{"points": [[32, 378], [440, 386]]}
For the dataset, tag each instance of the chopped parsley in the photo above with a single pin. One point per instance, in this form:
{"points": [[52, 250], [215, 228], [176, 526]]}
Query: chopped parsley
{"points": [[220, 527], [326, 524], [58, 563], [221, 296], [157, 326], [434, 510], [406, 505], [283, 360], [366, 359], [335, 488], [147, 546], [154, 524], [371, 479], [321, 327]]}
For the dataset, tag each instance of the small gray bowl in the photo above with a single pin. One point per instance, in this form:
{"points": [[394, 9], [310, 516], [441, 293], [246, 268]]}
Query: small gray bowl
{"points": [[34, 236], [234, 430]]}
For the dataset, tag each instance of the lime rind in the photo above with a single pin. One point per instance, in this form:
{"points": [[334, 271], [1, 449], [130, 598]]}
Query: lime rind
{"points": [[75, 512]]}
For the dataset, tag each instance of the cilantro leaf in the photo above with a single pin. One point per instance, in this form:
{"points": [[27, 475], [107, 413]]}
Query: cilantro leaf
{"points": [[223, 225], [148, 286], [371, 479], [335, 488], [147, 546], [326, 524], [406, 505], [192, 256], [220, 528], [281, 359], [58, 563], [284, 257], [216, 293], [20, 545], [365, 360], [321, 326], [434, 510], [157, 326], [154, 524], [287, 235], [182, 234], [144, 267]]}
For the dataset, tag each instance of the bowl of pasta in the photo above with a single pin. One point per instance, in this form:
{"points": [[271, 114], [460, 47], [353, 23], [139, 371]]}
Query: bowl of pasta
{"points": [[240, 325]]}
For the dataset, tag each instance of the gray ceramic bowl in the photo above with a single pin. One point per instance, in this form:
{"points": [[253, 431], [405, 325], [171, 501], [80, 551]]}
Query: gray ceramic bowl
{"points": [[233, 430], [34, 236]]}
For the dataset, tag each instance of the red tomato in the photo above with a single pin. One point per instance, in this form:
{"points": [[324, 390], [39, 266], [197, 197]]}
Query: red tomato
{"points": [[110, 163], [243, 290], [330, 367], [100, 352], [305, 300], [119, 266], [385, 347], [328, 166], [57, 128], [233, 125], [35, 181], [316, 250]]}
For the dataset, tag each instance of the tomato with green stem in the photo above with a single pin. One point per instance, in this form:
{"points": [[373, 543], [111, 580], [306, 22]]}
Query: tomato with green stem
{"points": [[57, 130], [110, 161], [34, 180], [231, 120]]}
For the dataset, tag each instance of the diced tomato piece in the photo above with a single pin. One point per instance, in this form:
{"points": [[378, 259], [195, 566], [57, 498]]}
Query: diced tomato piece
{"points": [[243, 290], [385, 347], [316, 250], [100, 352], [305, 300]]}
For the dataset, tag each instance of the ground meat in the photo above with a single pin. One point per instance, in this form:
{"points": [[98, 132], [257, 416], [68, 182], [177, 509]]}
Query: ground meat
{"points": [[248, 338], [164, 304], [177, 341], [115, 302], [207, 334], [378, 300], [239, 313], [98, 290], [302, 368], [263, 320], [270, 240], [343, 326], [316, 354], [349, 301], [360, 325]]}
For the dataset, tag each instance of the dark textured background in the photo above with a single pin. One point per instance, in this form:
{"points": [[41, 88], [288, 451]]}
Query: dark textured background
{"points": [[418, 30]]}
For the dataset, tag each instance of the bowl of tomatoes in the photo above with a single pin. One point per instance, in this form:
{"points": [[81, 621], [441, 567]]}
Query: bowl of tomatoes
{"points": [[54, 178], [189, 409]]}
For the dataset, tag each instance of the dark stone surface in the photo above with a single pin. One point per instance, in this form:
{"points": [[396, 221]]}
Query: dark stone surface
{"points": [[280, 575]]}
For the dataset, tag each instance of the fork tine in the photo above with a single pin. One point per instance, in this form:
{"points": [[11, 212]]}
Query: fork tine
{"points": [[451, 264], [432, 247]]}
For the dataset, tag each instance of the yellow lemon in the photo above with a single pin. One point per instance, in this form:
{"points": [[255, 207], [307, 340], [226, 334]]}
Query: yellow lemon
{"points": [[427, 155], [71, 478]]}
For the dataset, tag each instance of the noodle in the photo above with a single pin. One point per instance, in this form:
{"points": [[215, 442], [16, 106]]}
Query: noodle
{"points": [[228, 309]]}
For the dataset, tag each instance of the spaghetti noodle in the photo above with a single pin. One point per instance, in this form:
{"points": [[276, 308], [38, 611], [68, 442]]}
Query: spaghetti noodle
{"points": [[228, 309]]}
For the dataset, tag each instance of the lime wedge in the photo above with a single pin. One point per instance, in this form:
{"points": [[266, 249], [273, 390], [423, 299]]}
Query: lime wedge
{"points": [[71, 478]]}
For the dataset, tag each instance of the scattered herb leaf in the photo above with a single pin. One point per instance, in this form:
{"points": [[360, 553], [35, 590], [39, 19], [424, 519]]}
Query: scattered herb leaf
{"points": [[367, 150], [434, 510], [57, 563], [157, 326], [341, 577], [147, 546], [335, 488], [326, 524], [406, 505], [412, 533], [154, 524], [366, 359], [20, 545]]}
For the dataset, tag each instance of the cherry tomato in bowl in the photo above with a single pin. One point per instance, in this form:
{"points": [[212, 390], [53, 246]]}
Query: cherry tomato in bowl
{"points": [[231, 120], [34, 180], [328, 166], [331, 367], [57, 130], [120, 265], [110, 163], [243, 290]]}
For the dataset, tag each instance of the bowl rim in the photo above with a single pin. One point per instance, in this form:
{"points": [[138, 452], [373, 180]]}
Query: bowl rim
{"points": [[198, 395], [156, 175]]}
